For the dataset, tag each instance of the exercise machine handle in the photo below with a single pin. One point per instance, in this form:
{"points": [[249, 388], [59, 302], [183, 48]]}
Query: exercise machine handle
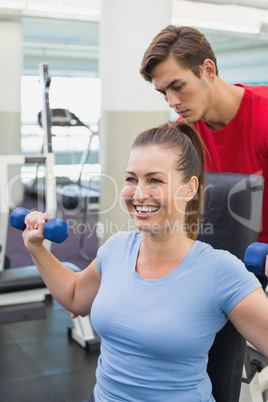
{"points": [[255, 258], [54, 230]]}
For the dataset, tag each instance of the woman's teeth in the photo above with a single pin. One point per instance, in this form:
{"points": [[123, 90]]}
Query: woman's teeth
{"points": [[146, 209]]}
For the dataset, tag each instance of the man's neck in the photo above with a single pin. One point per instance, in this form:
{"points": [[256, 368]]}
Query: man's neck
{"points": [[225, 105]]}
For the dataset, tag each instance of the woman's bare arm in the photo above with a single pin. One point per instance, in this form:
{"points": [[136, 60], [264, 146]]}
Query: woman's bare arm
{"points": [[250, 317], [74, 292]]}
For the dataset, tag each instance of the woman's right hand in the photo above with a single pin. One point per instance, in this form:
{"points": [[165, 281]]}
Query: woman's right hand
{"points": [[33, 235]]}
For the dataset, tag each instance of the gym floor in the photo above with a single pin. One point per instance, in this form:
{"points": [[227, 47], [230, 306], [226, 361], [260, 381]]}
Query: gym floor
{"points": [[39, 363]]}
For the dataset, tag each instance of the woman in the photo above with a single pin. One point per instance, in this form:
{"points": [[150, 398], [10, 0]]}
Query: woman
{"points": [[153, 293]]}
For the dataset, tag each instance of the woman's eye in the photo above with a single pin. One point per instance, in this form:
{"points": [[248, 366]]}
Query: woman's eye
{"points": [[130, 179], [156, 181]]}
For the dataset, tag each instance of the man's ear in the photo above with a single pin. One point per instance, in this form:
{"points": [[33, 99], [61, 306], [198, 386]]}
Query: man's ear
{"points": [[209, 69]]}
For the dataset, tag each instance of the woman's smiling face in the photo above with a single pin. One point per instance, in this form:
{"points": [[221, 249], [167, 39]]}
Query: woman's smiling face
{"points": [[154, 191]]}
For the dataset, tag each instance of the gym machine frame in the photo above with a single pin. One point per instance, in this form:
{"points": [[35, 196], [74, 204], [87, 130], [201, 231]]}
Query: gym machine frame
{"points": [[82, 332]]}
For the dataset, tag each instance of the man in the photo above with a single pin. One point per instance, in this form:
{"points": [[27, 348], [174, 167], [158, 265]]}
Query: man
{"points": [[231, 119]]}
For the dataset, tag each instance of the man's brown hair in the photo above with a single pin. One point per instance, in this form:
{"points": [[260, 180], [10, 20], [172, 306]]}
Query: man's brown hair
{"points": [[187, 45]]}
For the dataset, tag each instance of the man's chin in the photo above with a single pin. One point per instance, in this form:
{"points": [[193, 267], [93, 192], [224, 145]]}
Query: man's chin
{"points": [[189, 119]]}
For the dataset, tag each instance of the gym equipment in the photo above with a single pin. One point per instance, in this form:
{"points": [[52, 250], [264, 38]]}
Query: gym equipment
{"points": [[47, 158], [255, 376], [230, 221], [46, 118], [22, 297], [22, 290], [22, 294], [54, 230], [255, 258], [70, 190], [65, 118], [75, 195], [71, 195], [6, 186], [23, 312]]}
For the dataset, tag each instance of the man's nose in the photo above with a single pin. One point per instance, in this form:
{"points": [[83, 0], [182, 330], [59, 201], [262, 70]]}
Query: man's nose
{"points": [[172, 99]]}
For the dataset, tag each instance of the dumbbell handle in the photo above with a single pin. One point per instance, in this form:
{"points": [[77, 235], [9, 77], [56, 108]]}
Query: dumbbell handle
{"points": [[255, 258], [54, 230]]}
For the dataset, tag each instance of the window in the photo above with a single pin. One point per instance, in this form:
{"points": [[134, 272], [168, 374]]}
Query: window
{"points": [[80, 96]]}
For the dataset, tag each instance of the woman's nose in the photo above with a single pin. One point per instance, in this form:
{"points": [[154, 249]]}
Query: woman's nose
{"points": [[140, 192]]}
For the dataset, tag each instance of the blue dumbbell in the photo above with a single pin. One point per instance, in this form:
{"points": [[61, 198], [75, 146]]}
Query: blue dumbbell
{"points": [[255, 258], [54, 229]]}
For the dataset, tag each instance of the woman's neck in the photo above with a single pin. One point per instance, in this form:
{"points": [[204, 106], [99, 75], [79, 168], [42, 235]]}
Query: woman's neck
{"points": [[158, 257]]}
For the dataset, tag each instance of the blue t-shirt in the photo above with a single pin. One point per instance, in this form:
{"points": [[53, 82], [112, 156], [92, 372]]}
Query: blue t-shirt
{"points": [[156, 333]]}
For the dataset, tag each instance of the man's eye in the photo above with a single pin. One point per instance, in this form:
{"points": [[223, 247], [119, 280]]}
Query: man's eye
{"points": [[178, 88]]}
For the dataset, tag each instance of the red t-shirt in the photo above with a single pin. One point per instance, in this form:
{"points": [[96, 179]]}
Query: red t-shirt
{"points": [[242, 145]]}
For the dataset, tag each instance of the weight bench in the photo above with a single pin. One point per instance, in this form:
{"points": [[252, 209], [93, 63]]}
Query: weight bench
{"points": [[22, 292], [22, 298]]}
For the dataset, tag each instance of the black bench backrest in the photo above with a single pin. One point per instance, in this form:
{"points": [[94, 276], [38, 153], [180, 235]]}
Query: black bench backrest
{"points": [[230, 221]]}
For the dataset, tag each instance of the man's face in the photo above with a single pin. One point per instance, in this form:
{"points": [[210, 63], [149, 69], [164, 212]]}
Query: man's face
{"points": [[187, 94]]}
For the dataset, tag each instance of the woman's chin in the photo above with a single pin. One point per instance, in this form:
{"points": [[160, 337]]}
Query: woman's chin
{"points": [[147, 228]]}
